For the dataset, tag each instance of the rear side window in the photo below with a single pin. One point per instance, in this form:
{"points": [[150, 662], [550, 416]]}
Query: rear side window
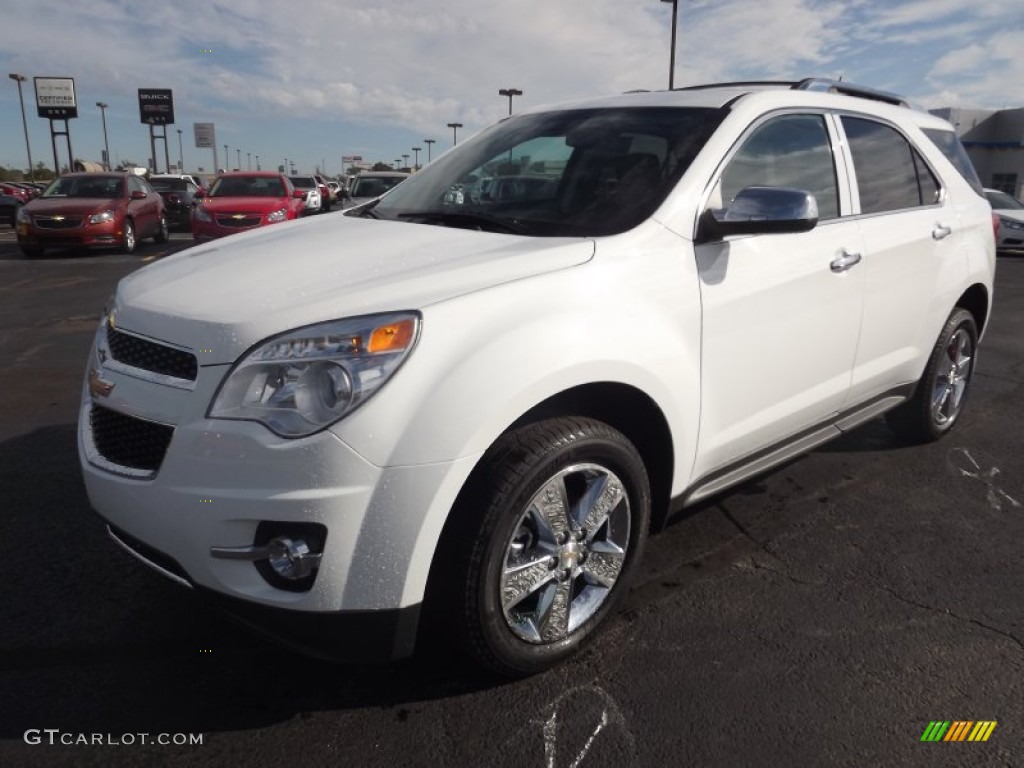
{"points": [[950, 146], [891, 175]]}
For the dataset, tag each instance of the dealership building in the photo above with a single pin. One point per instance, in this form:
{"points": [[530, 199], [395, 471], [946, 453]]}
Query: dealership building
{"points": [[994, 138]]}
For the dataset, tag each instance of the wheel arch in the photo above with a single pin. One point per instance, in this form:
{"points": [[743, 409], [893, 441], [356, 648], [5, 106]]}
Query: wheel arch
{"points": [[976, 301]]}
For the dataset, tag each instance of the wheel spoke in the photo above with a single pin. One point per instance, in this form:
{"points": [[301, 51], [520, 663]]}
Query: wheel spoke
{"points": [[553, 616], [603, 566], [552, 508], [520, 581], [599, 501]]}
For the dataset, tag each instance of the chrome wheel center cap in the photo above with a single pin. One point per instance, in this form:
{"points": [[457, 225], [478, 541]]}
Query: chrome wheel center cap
{"points": [[569, 555]]}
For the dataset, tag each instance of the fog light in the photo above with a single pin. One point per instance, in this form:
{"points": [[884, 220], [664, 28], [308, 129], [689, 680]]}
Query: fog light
{"points": [[291, 559]]}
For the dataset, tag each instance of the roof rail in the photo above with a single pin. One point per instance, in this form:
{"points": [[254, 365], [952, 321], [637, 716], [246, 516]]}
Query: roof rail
{"points": [[826, 85], [739, 84]]}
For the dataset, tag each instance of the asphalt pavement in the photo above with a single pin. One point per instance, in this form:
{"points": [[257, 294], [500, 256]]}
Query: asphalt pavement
{"points": [[823, 614]]}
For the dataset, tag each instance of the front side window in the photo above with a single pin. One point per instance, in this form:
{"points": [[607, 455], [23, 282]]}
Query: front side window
{"points": [[891, 175], [584, 172], [787, 151]]}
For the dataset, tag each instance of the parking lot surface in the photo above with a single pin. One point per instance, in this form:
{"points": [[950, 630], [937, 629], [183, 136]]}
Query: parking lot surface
{"points": [[823, 614]]}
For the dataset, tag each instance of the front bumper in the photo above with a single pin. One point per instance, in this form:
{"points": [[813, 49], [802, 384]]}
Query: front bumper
{"points": [[106, 234], [215, 482]]}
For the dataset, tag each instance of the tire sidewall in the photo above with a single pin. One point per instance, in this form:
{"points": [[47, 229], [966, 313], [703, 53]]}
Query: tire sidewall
{"points": [[617, 455], [128, 244]]}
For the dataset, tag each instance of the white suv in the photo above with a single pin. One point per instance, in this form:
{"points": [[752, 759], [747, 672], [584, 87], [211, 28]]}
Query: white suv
{"points": [[468, 420]]}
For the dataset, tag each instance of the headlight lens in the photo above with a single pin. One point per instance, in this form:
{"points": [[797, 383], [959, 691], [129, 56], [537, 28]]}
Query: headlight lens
{"points": [[308, 379], [202, 214], [1006, 223], [279, 215], [100, 218]]}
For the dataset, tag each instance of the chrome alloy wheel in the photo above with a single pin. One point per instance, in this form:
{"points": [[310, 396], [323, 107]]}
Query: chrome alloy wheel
{"points": [[565, 554], [952, 378]]}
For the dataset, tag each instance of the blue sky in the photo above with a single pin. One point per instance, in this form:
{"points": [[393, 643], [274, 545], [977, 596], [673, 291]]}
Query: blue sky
{"points": [[317, 79]]}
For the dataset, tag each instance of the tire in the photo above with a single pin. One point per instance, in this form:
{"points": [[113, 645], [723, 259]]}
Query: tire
{"points": [[128, 241], [31, 251], [517, 561], [942, 391], [162, 234]]}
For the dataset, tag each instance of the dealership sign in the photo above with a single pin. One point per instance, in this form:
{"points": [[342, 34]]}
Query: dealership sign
{"points": [[205, 137], [156, 106], [55, 97]]}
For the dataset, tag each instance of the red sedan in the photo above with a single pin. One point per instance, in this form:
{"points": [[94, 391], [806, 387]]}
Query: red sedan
{"points": [[240, 201], [92, 210]]}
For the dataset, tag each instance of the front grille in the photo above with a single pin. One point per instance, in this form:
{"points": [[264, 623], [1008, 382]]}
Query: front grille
{"points": [[67, 222], [231, 221], [151, 356], [127, 441]]}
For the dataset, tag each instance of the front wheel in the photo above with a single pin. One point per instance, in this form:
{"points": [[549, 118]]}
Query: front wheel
{"points": [[939, 400], [550, 528], [128, 239]]}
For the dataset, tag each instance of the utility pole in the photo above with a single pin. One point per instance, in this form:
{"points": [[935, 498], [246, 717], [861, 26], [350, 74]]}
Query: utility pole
{"points": [[455, 132], [106, 146], [672, 55], [428, 142], [19, 79]]}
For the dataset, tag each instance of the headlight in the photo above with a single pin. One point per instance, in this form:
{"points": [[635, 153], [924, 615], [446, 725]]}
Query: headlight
{"points": [[99, 218], [1010, 223], [280, 215], [202, 214], [305, 380], [22, 217]]}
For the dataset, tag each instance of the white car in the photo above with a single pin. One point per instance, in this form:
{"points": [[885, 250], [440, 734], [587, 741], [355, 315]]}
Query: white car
{"points": [[308, 184], [1010, 211], [467, 419]]}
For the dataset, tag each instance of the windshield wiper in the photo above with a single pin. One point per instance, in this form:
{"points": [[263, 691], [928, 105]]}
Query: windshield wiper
{"points": [[478, 221]]}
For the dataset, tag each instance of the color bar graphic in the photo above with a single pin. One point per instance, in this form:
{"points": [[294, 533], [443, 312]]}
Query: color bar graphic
{"points": [[958, 730]]}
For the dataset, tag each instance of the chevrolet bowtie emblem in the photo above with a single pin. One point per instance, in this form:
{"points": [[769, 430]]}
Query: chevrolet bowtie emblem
{"points": [[98, 386], [238, 216], [58, 218]]}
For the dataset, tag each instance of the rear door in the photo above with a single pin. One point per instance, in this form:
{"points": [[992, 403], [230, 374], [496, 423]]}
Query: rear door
{"points": [[909, 231]]}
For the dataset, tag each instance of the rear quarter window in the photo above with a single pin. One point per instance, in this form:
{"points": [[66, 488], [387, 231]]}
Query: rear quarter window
{"points": [[949, 144]]}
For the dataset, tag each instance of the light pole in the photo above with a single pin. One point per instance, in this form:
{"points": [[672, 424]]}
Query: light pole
{"points": [[238, 161], [19, 79], [181, 153], [672, 55], [258, 163], [428, 142], [406, 159], [455, 132], [227, 158], [510, 92], [248, 161], [398, 163], [106, 146], [416, 160]]}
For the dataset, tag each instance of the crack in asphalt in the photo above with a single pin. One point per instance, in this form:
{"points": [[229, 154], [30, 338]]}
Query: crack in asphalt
{"points": [[947, 612]]}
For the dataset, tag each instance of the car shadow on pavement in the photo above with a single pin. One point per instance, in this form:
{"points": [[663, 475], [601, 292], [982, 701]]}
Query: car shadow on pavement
{"points": [[94, 641]]}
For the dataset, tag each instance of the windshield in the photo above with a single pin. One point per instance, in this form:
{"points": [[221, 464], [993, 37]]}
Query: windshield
{"points": [[303, 182], [104, 187], [374, 186], [1002, 201], [247, 186], [579, 172], [169, 185]]}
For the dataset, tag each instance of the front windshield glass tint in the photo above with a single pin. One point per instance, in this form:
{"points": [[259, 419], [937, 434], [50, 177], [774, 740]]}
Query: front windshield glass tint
{"points": [[167, 185], [1002, 201], [247, 186], [578, 172], [104, 187], [303, 182]]}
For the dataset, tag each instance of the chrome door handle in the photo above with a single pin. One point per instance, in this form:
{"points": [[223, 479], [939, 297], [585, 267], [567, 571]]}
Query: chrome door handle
{"points": [[941, 231], [844, 261]]}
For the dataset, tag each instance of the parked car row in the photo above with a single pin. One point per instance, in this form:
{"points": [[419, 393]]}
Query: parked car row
{"points": [[1010, 211]]}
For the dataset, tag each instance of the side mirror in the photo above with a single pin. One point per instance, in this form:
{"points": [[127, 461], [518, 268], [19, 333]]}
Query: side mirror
{"points": [[138, 194], [761, 211]]}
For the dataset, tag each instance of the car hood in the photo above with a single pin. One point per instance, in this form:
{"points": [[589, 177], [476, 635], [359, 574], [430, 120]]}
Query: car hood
{"points": [[227, 295], [71, 206], [253, 204]]}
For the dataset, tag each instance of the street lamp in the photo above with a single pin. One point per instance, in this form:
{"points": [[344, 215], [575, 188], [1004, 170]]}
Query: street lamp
{"points": [[19, 79], [227, 158], [181, 153], [416, 160], [406, 159], [398, 163], [672, 55], [258, 163], [510, 92], [455, 132], [248, 161], [106, 146], [238, 162], [428, 142]]}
